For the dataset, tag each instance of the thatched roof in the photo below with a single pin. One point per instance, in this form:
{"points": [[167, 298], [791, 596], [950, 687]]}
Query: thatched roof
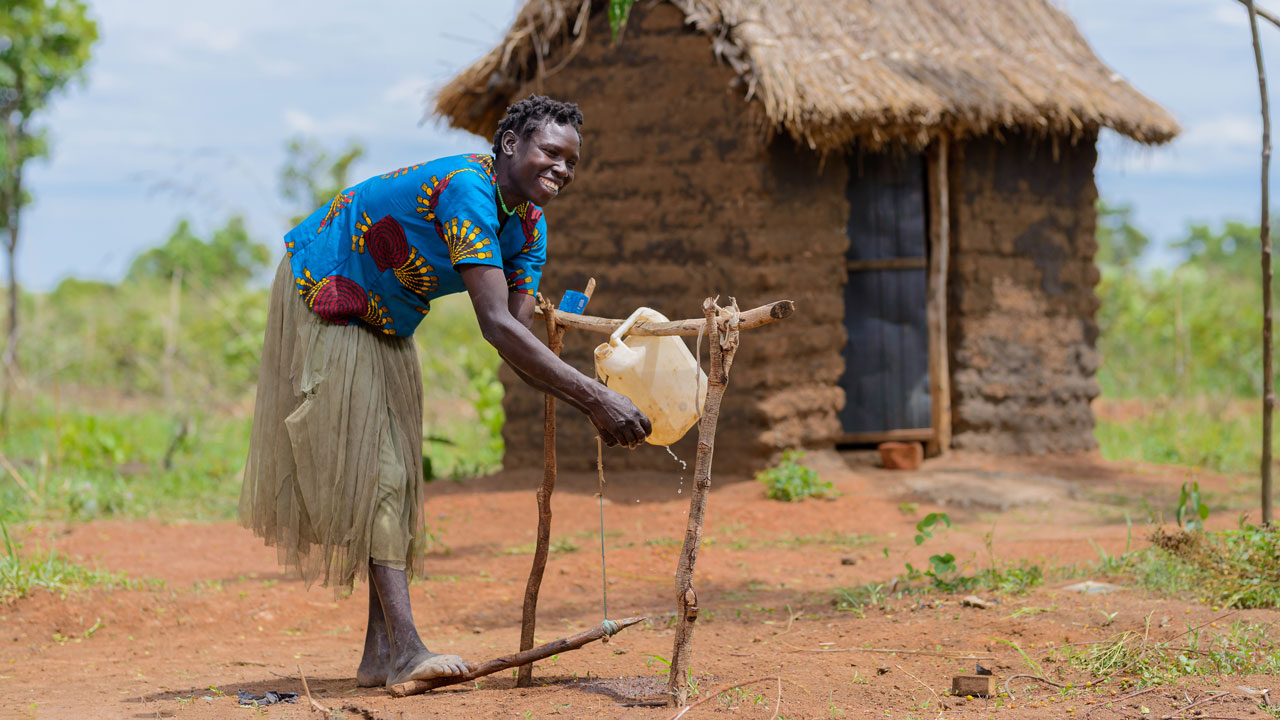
{"points": [[829, 72]]}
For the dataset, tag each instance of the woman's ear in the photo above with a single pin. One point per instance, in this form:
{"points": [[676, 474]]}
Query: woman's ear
{"points": [[509, 142]]}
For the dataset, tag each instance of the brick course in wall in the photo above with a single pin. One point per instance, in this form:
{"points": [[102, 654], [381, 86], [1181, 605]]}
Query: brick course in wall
{"points": [[1022, 309]]}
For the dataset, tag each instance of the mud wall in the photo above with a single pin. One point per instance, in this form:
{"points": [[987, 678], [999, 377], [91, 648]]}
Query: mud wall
{"points": [[678, 197], [1021, 304]]}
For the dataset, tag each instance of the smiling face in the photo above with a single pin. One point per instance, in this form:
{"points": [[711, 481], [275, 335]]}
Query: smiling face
{"points": [[538, 167]]}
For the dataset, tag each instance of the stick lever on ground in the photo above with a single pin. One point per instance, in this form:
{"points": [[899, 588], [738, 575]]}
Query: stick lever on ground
{"points": [[506, 662]]}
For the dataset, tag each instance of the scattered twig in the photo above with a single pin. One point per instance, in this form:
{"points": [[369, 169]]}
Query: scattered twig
{"points": [[13, 472], [1122, 698], [1198, 703], [926, 687], [681, 713], [892, 651], [1029, 676], [777, 702], [883, 651], [310, 700], [364, 712]]}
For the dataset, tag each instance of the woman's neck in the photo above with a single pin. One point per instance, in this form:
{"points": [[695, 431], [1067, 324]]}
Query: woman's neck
{"points": [[507, 194]]}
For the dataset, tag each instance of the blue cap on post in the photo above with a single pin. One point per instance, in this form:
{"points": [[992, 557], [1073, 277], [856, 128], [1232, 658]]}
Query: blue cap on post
{"points": [[573, 302]]}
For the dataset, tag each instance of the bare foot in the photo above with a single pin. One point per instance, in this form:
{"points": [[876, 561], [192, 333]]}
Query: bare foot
{"points": [[426, 665], [373, 673]]}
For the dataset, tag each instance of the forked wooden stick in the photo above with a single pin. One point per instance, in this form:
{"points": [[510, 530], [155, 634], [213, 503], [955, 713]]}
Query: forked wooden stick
{"points": [[722, 325], [506, 662], [529, 615]]}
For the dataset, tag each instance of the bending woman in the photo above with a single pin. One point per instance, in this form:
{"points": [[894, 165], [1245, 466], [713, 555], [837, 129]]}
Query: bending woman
{"points": [[334, 474]]}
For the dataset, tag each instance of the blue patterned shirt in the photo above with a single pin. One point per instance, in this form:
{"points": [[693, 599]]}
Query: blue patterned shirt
{"points": [[381, 251]]}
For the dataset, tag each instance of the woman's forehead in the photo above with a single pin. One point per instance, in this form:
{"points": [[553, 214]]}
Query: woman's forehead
{"points": [[561, 135]]}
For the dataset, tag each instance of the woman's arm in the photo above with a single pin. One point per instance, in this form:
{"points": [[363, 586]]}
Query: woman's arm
{"points": [[521, 307], [615, 417]]}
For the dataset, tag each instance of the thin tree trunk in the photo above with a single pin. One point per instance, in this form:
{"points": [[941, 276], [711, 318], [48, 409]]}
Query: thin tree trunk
{"points": [[686, 597], [171, 335], [13, 203], [1268, 380]]}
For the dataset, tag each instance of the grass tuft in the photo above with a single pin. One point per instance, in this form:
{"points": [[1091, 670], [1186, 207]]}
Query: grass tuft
{"points": [[22, 574]]}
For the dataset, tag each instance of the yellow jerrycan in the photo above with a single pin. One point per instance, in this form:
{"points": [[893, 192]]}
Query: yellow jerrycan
{"points": [[658, 374]]}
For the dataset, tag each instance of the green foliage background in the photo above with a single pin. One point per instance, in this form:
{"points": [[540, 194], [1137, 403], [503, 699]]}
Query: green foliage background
{"points": [[137, 396], [1181, 346]]}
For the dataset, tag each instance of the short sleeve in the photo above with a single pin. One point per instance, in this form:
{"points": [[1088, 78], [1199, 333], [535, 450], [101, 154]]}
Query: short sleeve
{"points": [[461, 206], [524, 271]]}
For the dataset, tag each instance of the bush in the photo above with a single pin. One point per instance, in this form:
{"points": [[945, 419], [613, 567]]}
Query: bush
{"points": [[790, 481]]}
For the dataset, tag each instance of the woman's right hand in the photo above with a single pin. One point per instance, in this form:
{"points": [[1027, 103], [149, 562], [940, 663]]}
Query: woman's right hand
{"points": [[618, 420]]}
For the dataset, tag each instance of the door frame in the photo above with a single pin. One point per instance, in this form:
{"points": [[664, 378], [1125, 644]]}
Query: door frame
{"points": [[937, 437]]}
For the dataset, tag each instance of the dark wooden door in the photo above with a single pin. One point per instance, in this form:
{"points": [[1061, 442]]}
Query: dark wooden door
{"points": [[886, 379]]}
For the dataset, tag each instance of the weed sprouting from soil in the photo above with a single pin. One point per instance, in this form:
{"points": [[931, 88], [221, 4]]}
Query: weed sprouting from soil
{"points": [[944, 575], [1231, 568], [21, 574], [1245, 648], [790, 481]]}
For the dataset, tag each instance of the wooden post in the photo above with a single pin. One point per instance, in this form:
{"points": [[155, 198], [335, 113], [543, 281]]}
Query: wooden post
{"points": [[1268, 379], [529, 616], [939, 252], [723, 335]]}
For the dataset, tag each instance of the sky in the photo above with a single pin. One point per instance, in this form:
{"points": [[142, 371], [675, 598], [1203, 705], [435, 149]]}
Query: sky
{"points": [[187, 107]]}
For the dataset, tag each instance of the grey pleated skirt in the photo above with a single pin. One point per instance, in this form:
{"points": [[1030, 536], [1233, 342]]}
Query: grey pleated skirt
{"points": [[334, 474]]}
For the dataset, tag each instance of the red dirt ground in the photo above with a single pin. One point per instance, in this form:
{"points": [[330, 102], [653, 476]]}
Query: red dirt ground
{"points": [[227, 618]]}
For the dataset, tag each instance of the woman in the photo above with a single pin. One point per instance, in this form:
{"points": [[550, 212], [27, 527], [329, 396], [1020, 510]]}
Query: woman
{"points": [[334, 475]]}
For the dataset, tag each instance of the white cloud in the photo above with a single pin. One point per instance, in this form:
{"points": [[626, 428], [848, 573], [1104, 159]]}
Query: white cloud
{"points": [[408, 90], [1222, 143], [213, 37], [298, 121]]}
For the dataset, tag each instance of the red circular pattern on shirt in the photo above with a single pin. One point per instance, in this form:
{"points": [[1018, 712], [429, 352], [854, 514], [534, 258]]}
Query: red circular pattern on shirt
{"points": [[387, 245], [530, 221], [339, 300]]}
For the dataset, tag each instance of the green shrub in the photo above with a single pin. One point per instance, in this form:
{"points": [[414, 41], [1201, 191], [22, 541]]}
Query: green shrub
{"points": [[790, 481]]}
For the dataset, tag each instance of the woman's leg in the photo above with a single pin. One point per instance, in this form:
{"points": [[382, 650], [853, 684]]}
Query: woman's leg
{"points": [[377, 644], [409, 658]]}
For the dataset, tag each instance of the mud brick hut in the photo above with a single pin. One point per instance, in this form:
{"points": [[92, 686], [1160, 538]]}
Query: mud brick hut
{"points": [[916, 174]]}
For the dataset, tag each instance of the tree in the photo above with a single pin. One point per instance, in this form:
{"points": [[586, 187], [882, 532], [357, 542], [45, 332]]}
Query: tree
{"points": [[310, 177], [44, 45], [1120, 243], [1233, 250], [227, 259]]}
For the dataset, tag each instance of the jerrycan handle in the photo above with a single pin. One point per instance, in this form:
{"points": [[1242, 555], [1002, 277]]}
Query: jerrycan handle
{"points": [[616, 338]]}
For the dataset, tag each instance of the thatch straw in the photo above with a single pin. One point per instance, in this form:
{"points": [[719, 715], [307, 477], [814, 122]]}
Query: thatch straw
{"points": [[831, 72]]}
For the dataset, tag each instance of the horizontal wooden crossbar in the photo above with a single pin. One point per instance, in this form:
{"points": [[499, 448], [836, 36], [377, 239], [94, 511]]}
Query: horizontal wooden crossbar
{"points": [[747, 319], [872, 438], [906, 263]]}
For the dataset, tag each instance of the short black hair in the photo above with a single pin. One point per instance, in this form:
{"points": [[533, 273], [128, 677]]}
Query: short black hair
{"points": [[531, 113]]}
